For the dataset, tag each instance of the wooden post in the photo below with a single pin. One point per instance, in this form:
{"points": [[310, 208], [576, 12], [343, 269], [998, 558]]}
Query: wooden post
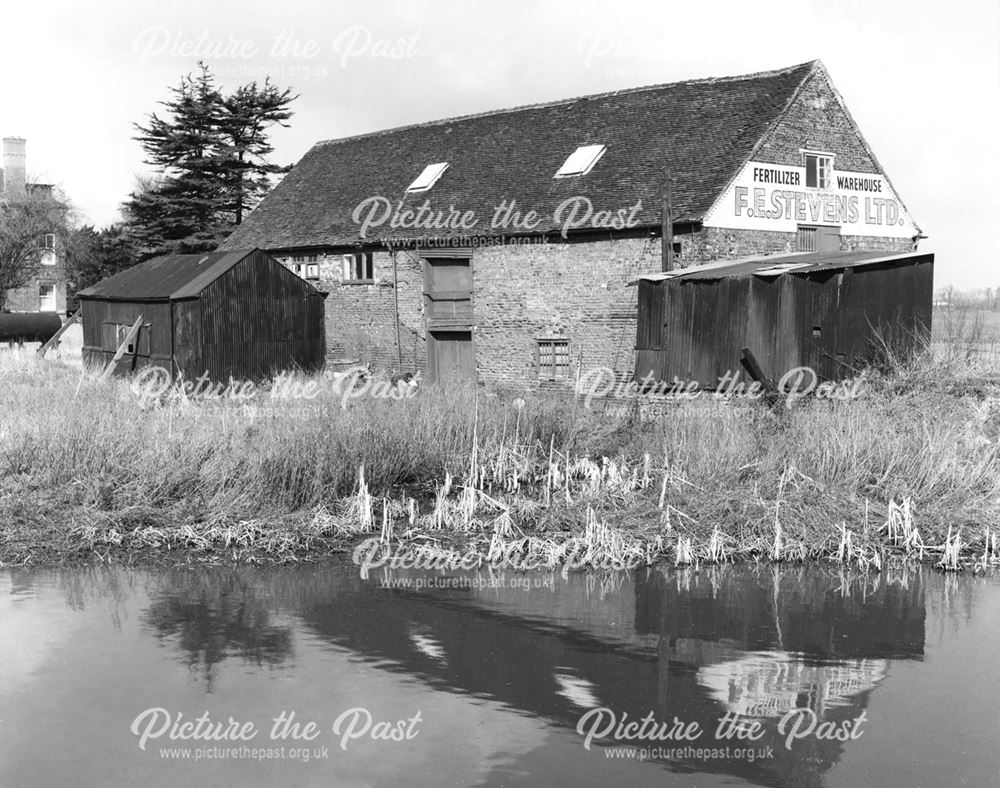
{"points": [[133, 333], [55, 337], [667, 228], [771, 394], [749, 362]]}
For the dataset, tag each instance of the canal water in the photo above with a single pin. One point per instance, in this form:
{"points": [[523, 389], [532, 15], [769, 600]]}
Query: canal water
{"points": [[795, 676]]}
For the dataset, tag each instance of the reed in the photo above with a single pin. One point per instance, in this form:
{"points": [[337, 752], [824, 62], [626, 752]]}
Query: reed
{"points": [[89, 472]]}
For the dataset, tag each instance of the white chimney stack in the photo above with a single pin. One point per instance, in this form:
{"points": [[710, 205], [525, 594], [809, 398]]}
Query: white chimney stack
{"points": [[14, 164]]}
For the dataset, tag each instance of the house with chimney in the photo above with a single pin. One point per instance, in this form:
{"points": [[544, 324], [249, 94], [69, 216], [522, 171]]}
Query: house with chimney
{"points": [[499, 247], [46, 291]]}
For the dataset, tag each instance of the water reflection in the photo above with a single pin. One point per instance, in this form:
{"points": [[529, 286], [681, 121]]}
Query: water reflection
{"points": [[772, 683], [210, 617], [758, 642], [678, 644]]}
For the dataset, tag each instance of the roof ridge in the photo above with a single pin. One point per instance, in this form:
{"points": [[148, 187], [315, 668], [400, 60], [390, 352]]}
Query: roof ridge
{"points": [[559, 102], [815, 67]]}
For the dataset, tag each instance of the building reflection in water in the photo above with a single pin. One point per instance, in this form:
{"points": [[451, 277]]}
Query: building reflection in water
{"points": [[678, 644]]}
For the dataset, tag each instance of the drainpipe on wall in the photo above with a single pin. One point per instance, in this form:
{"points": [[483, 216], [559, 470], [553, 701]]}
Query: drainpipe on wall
{"points": [[395, 300], [667, 234]]}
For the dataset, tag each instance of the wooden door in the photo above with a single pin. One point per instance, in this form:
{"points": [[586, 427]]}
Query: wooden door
{"points": [[450, 357], [448, 310], [448, 291]]}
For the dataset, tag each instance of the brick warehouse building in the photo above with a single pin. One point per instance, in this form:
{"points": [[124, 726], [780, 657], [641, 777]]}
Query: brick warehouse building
{"points": [[481, 288]]}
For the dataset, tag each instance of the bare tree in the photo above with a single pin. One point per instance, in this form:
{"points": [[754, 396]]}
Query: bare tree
{"points": [[34, 222]]}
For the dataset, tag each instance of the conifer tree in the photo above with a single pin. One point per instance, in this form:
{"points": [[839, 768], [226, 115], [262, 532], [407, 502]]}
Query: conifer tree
{"points": [[210, 150]]}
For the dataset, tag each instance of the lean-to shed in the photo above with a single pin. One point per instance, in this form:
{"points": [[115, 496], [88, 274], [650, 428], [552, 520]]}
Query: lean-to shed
{"points": [[828, 311], [236, 314]]}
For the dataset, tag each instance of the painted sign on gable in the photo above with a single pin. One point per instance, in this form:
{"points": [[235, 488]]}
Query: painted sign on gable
{"points": [[776, 197]]}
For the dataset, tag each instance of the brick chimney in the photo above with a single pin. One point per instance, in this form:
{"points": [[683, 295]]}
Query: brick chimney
{"points": [[14, 164]]}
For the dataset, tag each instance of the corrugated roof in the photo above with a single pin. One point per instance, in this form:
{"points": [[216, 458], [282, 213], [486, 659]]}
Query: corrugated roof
{"points": [[703, 130], [170, 277], [779, 264]]}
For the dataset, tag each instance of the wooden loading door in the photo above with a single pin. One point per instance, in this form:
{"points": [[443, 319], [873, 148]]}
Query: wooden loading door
{"points": [[448, 307], [450, 357]]}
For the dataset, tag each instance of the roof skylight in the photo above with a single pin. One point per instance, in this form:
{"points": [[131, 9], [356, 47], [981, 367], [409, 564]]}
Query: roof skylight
{"points": [[428, 177], [581, 161]]}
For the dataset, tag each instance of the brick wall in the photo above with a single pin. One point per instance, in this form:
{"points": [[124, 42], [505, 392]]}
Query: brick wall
{"points": [[529, 292], [27, 298], [718, 243], [360, 318], [816, 121], [572, 291], [521, 293]]}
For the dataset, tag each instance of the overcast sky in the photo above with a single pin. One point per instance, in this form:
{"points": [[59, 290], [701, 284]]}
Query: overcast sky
{"points": [[921, 77]]}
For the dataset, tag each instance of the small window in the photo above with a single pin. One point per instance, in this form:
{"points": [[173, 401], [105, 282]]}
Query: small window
{"points": [[358, 267], [113, 334], [581, 161], [47, 298], [312, 271], [553, 359], [819, 170], [428, 177], [48, 249]]}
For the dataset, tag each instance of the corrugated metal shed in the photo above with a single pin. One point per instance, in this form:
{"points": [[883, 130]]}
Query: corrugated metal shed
{"points": [[828, 311], [166, 278], [238, 314]]}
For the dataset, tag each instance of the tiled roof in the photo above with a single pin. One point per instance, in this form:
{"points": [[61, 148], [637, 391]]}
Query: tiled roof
{"points": [[703, 130], [166, 278]]}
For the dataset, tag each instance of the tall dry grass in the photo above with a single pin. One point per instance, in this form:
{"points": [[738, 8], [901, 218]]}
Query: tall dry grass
{"points": [[704, 481]]}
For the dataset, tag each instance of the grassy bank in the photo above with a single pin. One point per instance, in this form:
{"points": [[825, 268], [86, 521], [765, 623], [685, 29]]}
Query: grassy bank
{"points": [[909, 469]]}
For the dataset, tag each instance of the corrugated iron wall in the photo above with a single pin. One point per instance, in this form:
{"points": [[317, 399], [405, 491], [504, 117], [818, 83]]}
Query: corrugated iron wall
{"points": [[252, 322], [256, 320], [156, 321], [830, 320]]}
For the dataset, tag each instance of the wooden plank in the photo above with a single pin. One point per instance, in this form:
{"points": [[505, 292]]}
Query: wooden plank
{"points": [[772, 396], [55, 337], [132, 334], [749, 362]]}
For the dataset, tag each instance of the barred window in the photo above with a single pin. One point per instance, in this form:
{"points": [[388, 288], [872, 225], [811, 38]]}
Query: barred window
{"points": [[358, 267], [553, 359]]}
